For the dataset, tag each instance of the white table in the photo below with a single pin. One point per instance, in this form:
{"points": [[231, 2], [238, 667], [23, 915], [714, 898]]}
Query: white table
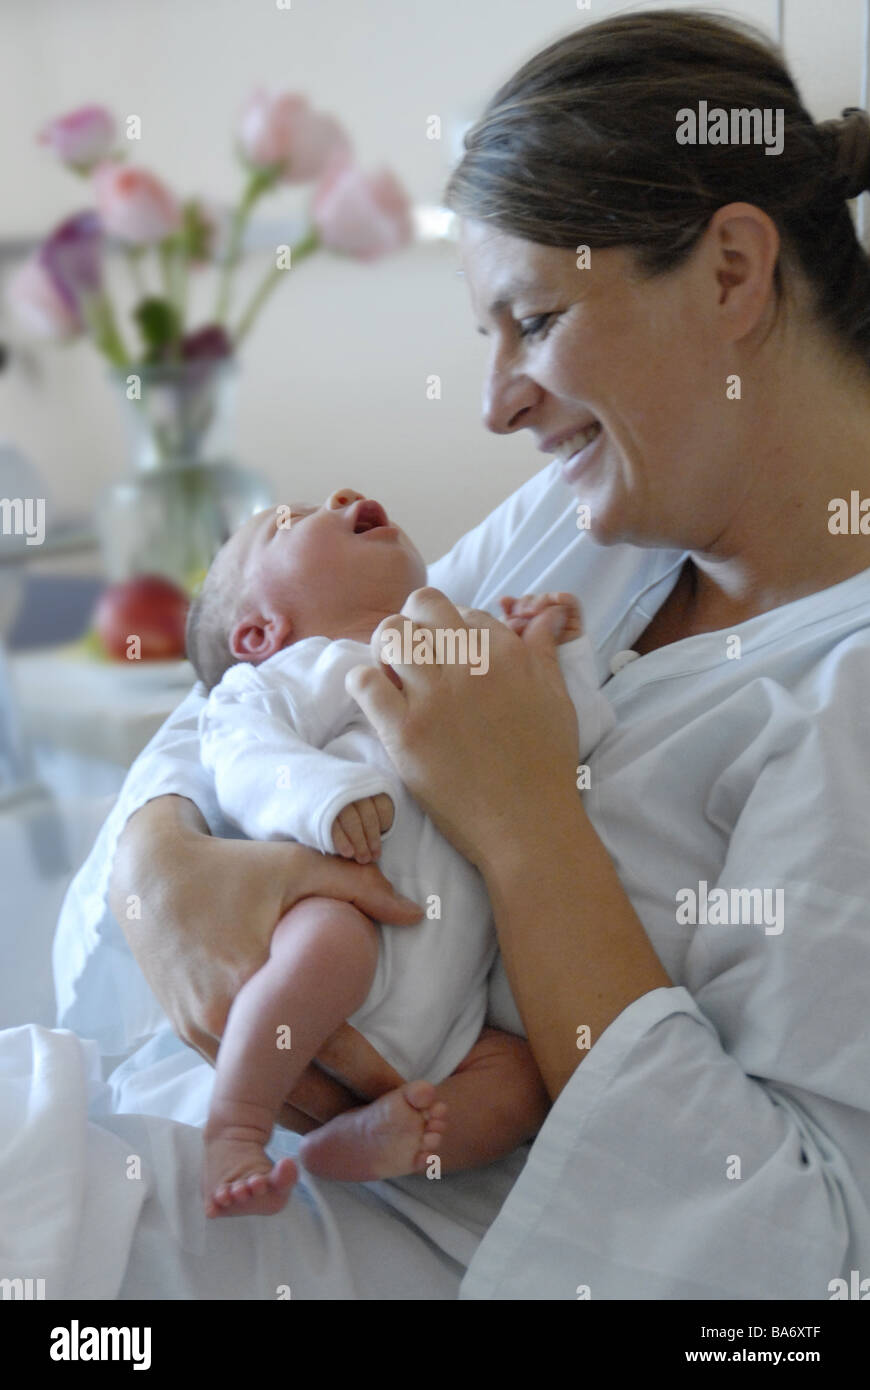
{"points": [[86, 720]]}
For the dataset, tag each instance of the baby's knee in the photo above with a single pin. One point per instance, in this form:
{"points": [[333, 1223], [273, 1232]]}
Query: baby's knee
{"points": [[327, 928]]}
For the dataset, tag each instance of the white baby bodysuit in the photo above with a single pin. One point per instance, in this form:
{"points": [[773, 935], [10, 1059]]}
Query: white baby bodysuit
{"points": [[289, 749]]}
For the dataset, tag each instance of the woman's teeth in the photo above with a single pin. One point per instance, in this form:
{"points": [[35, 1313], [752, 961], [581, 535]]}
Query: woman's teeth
{"points": [[578, 441]]}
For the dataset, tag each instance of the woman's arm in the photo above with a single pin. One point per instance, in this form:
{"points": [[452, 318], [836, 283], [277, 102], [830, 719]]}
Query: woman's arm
{"points": [[204, 913], [574, 949]]}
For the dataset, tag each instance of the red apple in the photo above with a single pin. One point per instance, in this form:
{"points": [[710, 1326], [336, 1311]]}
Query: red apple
{"points": [[148, 607]]}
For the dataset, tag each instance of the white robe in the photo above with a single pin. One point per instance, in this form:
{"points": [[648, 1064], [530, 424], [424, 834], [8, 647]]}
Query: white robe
{"points": [[714, 1143]]}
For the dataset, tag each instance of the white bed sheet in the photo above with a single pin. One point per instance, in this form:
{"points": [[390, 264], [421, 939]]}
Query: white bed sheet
{"points": [[109, 1208]]}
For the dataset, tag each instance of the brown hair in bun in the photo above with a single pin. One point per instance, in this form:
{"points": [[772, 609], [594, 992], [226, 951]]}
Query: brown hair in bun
{"points": [[850, 149]]}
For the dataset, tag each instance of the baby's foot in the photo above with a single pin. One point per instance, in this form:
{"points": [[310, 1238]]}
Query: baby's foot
{"points": [[393, 1136], [239, 1179]]}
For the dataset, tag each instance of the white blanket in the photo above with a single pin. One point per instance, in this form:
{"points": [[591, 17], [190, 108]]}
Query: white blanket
{"points": [[67, 1208], [107, 1206]]}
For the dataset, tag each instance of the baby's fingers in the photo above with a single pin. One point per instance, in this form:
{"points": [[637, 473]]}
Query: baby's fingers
{"points": [[370, 824], [340, 843], [385, 810], [352, 826], [531, 604]]}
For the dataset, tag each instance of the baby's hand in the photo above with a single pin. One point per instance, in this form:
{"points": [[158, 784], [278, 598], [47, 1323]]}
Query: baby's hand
{"points": [[520, 611], [356, 831]]}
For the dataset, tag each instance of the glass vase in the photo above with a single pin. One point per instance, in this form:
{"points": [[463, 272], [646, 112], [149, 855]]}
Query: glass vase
{"points": [[184, 492]]}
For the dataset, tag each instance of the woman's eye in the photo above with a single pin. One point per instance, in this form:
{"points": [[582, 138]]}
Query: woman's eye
{"points": [[531, 328]]}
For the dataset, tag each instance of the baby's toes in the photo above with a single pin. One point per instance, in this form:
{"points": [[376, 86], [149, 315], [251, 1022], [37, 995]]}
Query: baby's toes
{"points": [[283, 1175], [420, 1095]]}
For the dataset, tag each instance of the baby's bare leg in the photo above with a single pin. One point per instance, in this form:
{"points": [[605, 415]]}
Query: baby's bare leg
{"points": [[496, 1101], [320, 969], [492, 1103]]}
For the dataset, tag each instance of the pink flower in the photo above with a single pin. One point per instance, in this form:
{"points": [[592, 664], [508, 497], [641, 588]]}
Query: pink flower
{"points": [[284, 132], [82, 138], [361, 215], [134, 205], [41, 303]]}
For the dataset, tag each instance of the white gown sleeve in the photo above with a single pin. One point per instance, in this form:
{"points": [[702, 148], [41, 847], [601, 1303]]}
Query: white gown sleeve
{"points": [[101, 993], [714, 1144], [262, 732]]}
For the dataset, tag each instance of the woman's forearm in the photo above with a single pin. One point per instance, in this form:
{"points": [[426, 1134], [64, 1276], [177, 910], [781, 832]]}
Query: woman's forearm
{"points": [[575, 951], [145, 837]]}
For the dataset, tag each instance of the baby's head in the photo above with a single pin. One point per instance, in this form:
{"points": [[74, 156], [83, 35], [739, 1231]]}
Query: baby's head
{"points": [[291, 572]]}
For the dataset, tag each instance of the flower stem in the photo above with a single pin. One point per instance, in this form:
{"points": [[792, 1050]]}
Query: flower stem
{"points": [[182, 283], [303, 248], [168, 263], [100, 319], [133, 257], [259, 181]]}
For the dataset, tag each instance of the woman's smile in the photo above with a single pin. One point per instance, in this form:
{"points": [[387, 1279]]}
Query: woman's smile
{"points": [[578, 451]]}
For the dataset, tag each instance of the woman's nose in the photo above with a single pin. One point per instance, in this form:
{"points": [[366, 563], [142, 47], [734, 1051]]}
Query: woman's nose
{"points": [[342, 497], [507, 400]]}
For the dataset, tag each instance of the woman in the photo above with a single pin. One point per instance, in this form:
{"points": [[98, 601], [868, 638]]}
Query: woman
{"points": [[705, 373]]}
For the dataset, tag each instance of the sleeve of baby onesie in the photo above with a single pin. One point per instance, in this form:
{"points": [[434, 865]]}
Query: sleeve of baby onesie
{"points": [[262, 733], [714, 1143], [595, 717]]}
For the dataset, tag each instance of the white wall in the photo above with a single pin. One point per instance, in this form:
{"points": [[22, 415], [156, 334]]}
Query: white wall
{"points": [[334, 377]]}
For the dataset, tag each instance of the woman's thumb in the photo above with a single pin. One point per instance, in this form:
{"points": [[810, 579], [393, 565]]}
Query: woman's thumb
{"points": [[545, 630]]}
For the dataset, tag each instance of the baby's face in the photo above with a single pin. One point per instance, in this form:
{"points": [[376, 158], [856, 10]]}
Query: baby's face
{"points": [[333, 570]]}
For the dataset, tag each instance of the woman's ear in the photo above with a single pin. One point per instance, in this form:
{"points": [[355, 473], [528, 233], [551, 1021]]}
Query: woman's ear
{"points": [[257, 636], [745, 244]]}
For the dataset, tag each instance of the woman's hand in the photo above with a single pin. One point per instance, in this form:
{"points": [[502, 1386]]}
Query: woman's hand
{"points": [[487, 755], [204, 913]]}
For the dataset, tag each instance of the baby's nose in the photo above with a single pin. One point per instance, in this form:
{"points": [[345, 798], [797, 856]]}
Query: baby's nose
{"points": [[342, 497]]}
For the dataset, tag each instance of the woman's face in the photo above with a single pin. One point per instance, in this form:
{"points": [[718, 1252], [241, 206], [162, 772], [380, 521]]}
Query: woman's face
{"points": [[646, 359]]}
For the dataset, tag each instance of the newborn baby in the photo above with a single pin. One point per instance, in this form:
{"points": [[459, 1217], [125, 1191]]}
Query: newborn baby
{"points": [[288, 608]]}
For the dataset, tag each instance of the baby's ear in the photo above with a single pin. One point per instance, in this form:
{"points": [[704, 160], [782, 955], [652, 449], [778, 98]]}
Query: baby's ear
{"points": [[255, 638]]}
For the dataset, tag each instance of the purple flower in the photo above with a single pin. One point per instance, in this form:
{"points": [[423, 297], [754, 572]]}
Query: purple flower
{"points": [[56, 287], [72, 256], [82, 138], [206, 344]]}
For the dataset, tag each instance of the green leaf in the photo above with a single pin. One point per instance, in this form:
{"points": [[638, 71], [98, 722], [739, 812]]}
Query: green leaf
{"points": [[159, 325]]}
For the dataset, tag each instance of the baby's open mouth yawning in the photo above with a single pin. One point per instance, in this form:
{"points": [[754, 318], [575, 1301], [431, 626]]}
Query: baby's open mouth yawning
{"points": [[368, 516]]}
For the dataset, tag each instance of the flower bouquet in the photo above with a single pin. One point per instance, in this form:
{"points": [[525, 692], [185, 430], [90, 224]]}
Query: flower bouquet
{"points": [[176, 375]]}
